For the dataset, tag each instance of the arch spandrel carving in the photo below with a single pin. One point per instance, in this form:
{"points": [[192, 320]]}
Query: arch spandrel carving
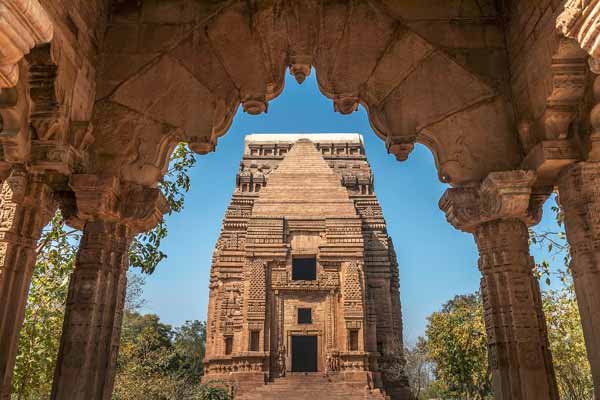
{"points": [[220, 67], [345, 71], [238, 53], [176, 97], [233, 37], [464, 156], [130, 145]]}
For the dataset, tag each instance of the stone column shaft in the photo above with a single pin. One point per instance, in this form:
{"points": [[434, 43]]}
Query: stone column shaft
{"points": [[517, 340], [25, 207], [498, 213], [579, 189], [89, 346]]}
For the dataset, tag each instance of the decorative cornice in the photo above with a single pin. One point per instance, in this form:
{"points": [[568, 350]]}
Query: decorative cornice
{"points": [[23, 25], [580, 21], [502, 195]]}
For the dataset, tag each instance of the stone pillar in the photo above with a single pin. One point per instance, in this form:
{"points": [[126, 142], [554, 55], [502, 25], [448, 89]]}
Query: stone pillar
{"points": [[579, 186], [92, 327], [112, 213], [498, 213], [25, 207]]}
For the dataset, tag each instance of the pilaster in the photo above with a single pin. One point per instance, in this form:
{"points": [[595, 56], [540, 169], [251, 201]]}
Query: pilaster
{"points": [[498, 213], [26, 206], [111, 213], [579, 187]]}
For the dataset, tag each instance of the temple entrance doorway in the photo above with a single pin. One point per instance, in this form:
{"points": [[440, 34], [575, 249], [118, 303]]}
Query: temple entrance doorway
{"points": [[304, 353]]}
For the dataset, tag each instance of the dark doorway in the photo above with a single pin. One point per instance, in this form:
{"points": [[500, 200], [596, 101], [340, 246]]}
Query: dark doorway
{"points": [[304, 354]]}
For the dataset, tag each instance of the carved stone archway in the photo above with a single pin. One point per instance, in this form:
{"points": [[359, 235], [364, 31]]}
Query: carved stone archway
{"points": [[94, 96]]}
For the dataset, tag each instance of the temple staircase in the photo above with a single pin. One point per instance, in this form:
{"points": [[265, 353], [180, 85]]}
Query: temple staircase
{"points": [[311, 386]]}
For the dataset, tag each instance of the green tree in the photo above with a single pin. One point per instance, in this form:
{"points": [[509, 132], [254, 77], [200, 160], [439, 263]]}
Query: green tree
{"points": [[57, 249], [419, 368], [40, 335], [567, 345], [145, 252], [146, 358], [157, 362], [457, 345], [190, 343]]}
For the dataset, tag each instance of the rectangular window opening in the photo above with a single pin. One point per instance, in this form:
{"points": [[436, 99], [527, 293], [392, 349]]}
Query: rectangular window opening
{"points": [[254, 340], [304, 316], [304, 269], [353, 340], [228, 345]]}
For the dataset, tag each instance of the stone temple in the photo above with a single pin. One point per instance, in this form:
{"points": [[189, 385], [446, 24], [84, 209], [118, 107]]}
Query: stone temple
{"points": [[304, 282]]}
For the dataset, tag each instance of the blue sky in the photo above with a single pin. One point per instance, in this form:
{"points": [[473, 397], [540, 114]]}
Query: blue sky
{"points": [[436, 261]]}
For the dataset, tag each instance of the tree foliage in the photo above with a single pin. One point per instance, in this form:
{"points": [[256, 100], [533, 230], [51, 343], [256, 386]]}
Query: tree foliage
{"points": [[567, 345], [419, 369], [456, 343], [157, 362], [145, 252], [40, 335], [565, 332]]}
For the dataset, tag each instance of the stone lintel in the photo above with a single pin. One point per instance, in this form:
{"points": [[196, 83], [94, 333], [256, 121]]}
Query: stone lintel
{"points": [[54, 157], [548, 158], [266, 254], [502, 195]]}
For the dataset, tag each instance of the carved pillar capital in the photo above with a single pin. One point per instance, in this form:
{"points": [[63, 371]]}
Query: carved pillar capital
{"points": [[23, 25], [107, 198], [502, 195]]}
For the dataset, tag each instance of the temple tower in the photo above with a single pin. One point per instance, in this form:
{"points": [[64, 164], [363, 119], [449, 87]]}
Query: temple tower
{"points": [[304, 279]]}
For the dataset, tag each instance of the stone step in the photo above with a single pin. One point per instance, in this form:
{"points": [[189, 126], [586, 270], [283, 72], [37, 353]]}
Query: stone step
{"points": [[310, 387]]}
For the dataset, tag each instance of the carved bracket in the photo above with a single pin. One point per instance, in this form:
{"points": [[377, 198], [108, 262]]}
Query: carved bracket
{"points": [[549, 142], [400, 146], [502, 195]]}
